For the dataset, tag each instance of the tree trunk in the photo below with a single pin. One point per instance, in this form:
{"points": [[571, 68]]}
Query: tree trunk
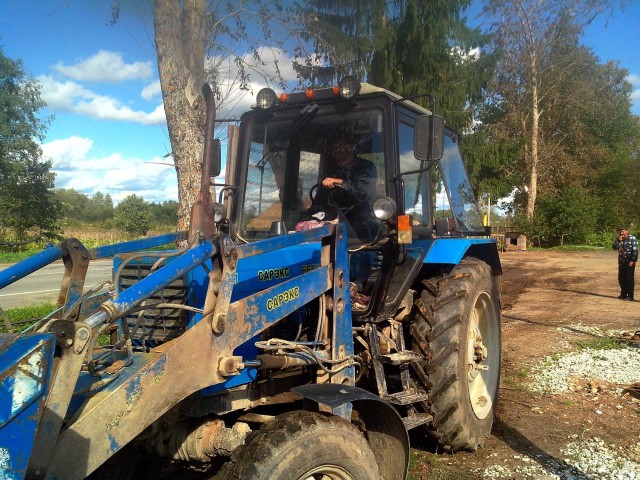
{"points": [[180, 47], [534, 154]]}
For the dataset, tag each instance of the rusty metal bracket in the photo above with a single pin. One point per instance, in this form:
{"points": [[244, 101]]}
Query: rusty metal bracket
{"points": [[63, 383], [76, 263]]}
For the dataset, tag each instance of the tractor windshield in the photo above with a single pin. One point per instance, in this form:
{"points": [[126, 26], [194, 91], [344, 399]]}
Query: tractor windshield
{"points": [[289, 160], [461, 197]]}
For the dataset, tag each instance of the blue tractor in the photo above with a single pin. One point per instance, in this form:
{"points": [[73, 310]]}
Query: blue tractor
{"points": [[341, 292]]}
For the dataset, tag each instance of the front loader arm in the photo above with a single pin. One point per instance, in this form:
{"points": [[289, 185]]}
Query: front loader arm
{"points": [[158, 380]]}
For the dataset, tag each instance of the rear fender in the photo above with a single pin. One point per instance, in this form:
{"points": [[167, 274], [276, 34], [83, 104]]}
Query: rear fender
{"points": [[386, 433], [452, 250]]}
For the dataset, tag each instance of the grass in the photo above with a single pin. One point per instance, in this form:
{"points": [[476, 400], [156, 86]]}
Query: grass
{"points": [[568, 248], [23, 317], [601, 344], [90, 237], [12, 257], [432, 466]]}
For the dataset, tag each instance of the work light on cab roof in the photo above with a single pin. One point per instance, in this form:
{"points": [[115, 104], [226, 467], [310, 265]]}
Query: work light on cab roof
{"points": [[348, 88]]}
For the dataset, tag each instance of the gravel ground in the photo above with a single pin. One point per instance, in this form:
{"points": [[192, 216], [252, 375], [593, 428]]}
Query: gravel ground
{"points": [[584, 458], [588, 459], [557, 373]]}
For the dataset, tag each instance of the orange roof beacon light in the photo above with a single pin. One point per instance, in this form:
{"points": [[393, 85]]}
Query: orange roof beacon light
{"points": [[310, 93], [284, 97]]}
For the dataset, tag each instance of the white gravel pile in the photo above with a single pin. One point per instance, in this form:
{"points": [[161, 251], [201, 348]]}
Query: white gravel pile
{"points": [[594, 458], [590, 330], [552, 374], [585, 460]]}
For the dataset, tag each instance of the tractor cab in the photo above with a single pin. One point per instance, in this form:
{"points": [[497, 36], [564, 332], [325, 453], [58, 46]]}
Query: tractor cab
{"points": [[357, 154]]}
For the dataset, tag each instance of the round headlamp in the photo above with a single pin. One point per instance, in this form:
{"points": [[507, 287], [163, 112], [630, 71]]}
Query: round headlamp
{"points": [[384, 208], [266, 98], [349, 87]]}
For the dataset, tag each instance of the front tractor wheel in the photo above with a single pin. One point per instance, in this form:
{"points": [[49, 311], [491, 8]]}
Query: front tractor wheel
{"points": [[457, 329], [303, 445]]}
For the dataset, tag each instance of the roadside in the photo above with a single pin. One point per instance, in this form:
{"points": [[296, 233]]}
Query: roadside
{"points": [[554, 304], [43, 286]]}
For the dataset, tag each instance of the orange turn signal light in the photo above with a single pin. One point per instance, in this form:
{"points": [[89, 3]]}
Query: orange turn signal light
{"points": [[405, 235]]}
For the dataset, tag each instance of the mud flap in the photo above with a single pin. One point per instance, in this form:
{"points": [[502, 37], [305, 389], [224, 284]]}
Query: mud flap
{"points": [[386, 433]]}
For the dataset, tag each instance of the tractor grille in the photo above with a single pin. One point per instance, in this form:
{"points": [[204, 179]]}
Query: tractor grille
{"points": [[156, 324]]}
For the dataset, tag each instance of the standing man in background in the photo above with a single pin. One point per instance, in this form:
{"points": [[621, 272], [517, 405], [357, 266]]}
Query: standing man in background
{"points": [[627, 247]]}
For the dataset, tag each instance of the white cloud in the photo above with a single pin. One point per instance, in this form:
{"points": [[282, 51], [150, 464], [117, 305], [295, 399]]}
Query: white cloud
{"points": [[72, 97], [152, 90], [262, 74], [77, 167], [105, 66], [66, 153]]}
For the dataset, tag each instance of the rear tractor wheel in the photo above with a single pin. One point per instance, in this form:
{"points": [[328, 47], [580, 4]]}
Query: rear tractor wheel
{"points": [[457, 329]]}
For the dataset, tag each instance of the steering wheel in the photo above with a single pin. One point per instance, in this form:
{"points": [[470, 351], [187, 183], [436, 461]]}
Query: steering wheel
{"points": [[313, 192]]}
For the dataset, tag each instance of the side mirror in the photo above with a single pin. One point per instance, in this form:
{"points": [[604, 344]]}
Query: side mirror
{"points": [[426, 126], [214, 168]]}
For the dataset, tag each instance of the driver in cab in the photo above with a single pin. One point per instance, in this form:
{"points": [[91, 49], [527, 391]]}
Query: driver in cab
{"points": [[353, 186]]}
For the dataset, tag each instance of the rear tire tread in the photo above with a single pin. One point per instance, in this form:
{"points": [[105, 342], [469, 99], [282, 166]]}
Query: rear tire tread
{"points": [[440, 322]]}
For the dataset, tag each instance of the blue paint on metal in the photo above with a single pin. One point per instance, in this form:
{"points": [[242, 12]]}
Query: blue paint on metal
{"points": [[284, 241], [114, 446], [268, 306], [448, 250], [25, 370], [30, 265], [135, 245], [343, 333], [254, 274], [134, 389]]}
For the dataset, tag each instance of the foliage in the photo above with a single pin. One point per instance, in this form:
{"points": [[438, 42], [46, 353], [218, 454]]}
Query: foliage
{"points": [[410, 47], [485, 160], [164, 213], [98, 210], [564, 118], [133, 215], [602, 239], [568, 217], [27, 204], [537, 41]]}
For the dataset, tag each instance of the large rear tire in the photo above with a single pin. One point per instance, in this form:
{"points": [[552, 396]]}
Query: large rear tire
{"points": [[303, 445], [457, 329]]}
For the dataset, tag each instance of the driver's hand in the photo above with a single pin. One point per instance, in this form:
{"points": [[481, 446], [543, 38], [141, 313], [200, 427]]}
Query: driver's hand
{"points": [[331, 182]]}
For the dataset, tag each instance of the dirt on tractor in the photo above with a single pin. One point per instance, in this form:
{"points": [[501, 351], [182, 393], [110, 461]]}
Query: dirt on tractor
{"points": [[569, 403]]}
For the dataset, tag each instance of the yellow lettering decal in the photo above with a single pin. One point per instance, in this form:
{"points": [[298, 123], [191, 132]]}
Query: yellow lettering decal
{"points": [[273, 274], [282, 298]]}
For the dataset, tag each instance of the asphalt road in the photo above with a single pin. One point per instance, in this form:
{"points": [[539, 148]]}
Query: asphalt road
{"points": [[44, 285]]}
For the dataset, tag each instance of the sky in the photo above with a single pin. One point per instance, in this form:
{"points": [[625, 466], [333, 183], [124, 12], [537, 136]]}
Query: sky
{"points": [[100, 82]]}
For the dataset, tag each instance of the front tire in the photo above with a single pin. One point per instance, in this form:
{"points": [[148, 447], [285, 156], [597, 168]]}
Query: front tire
{"points": [[303, 445], [457, 328]]}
